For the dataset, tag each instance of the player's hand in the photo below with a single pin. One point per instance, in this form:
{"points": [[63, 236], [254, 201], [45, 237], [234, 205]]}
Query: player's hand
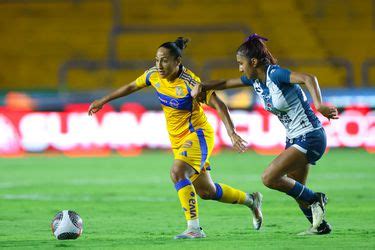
{"points": [[329, 111], [239, 144], [95, 107], [196, 90]]}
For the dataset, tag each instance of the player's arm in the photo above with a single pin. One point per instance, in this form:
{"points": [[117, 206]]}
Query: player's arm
{"points": [[123, 91], [312, 85], [238, 143], [217, 85]]}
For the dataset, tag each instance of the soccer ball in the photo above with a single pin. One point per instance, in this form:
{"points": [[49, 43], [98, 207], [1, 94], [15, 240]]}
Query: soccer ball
{"points": [[67, 225]]}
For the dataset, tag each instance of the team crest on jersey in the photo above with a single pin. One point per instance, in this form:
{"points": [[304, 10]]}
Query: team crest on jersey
{"points": [[179, 91], [157, 85]]}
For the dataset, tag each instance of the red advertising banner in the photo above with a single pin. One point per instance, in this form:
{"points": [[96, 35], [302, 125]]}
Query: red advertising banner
{"points": [[127, 132]]}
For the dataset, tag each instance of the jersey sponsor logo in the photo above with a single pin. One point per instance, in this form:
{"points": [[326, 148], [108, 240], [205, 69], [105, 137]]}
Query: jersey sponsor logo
{"points": [[184, 103], [173, 103], [284, 118], [179, 91]]}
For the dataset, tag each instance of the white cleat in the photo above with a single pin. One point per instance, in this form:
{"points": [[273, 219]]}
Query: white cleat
{"points": [[309, 231], [318, 210], [318, 214], [191, 233], [256, 209]]}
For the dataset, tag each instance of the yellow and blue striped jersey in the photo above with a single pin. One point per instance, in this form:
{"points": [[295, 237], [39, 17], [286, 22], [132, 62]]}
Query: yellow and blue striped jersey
{"points": [[183, 114]]}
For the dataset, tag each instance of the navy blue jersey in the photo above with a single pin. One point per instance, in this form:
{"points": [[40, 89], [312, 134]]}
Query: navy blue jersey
{"points": [[286, 100]]}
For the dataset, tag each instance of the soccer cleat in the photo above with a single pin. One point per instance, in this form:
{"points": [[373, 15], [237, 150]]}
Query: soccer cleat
{"points": [[324, 228], [318, 210], [191, 233], [256, 209]]}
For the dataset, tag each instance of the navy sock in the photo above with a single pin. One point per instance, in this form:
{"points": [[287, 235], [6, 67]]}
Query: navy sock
{"points": [[302, 193], [307, 212]]}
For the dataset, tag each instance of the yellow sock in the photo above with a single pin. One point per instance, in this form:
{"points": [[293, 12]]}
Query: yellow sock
{"points": [[227, 194], [188, 198]]}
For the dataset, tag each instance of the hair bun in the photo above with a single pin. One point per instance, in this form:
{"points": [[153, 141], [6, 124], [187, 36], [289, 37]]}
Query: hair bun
{"points": [[255, 36], [182, 42]]}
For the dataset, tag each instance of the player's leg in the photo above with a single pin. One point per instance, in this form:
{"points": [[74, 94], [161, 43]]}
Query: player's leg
{"points": [[208, 190], [180, 175], [275, 177], [300, 175], [192, 154]]}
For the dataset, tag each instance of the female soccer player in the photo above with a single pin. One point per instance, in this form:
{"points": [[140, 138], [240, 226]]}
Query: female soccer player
{"points": [[280, 93], [191, 136]]}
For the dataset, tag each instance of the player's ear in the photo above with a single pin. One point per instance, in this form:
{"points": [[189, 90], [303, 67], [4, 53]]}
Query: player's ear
{"points": [[179, 60], [254, 62]]}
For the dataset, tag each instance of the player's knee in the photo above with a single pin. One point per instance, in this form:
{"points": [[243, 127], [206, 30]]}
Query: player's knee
{"points": [[177, 175], [206, 194], [268, 180]]}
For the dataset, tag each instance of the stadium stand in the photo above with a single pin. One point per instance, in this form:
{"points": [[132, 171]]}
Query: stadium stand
{"points": [[344, 29], [91, 45]]}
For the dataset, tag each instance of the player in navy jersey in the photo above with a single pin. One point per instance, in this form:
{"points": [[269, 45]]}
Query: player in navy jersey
{"points": [[280, 94]]}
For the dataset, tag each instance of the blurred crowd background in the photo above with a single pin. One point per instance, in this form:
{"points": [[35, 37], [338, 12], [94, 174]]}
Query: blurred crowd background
{"points": [[59, 53]]}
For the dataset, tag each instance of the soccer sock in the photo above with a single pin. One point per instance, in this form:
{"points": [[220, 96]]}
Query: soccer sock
{"points": [[227, 194], [302, 193], [307, 212], [193, 223], [188, 198]]}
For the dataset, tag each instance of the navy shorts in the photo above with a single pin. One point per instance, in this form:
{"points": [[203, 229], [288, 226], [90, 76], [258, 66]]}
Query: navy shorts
{"points": [[313, 144]]}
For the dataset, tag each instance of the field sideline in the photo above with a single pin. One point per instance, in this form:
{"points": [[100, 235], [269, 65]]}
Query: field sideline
{"points": [[130, 203]]}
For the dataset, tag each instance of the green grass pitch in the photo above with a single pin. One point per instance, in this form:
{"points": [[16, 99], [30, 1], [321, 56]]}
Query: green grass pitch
{"points": [[130, 203]]}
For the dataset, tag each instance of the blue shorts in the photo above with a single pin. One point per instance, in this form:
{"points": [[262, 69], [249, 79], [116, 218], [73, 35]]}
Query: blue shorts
{"points": [[313, 144]]}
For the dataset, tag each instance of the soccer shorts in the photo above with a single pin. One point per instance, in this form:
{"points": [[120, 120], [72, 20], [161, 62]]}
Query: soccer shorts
{"points": [[195, 150], [313, 144]]}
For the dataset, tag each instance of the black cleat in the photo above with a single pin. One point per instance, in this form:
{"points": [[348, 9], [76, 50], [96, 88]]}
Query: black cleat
{"points": [[324, 228]]}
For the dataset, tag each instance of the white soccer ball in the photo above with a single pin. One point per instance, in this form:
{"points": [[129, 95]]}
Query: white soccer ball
{"points": [[67, 225]]}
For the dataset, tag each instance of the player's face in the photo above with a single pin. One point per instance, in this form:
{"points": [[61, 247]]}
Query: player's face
{"points": [[166, 64], [245, 66]]}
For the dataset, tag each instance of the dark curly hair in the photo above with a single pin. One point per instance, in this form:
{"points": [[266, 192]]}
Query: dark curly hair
{"points": [[254, 47]]}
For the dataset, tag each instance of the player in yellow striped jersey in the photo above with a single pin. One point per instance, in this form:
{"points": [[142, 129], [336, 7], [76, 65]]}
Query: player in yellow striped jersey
{"points": [[191, 136]]}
